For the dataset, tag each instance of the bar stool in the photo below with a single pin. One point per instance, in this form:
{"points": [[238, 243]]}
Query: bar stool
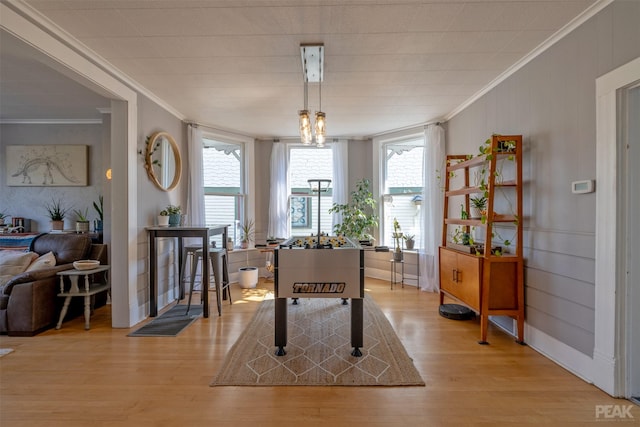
{"points": [[219, 268], [188, 253]]}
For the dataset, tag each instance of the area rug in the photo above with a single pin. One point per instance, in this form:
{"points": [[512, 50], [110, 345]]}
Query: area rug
{"points": [[318, 349], [169, 323]]}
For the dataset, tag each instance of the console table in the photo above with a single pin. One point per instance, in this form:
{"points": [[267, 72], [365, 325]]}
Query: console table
{"points": [[182, 232]]}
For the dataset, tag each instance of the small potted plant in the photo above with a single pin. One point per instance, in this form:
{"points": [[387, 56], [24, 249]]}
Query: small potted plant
{"points": [[2, 217], [409, 241], [163, 218], [82, 220], [478, 206], [247, 233], [57, 213], [397, 238], [174, 214]]}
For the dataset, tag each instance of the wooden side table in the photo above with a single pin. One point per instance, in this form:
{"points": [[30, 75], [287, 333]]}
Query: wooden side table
{"points": [[75, 291]]}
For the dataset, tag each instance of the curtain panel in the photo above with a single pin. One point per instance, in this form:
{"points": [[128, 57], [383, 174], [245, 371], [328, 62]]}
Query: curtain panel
{"points": [[432, 205]]}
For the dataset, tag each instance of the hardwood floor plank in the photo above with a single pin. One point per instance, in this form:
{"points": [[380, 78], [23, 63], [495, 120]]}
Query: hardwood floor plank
{"points": [[72, 377]]}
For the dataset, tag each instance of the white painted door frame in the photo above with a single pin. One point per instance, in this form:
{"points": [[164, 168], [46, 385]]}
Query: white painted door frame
{"points": [[611, 331], [20, 20]]}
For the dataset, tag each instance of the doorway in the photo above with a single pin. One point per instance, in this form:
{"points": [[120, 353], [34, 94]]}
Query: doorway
{"points": [[631, 139]]}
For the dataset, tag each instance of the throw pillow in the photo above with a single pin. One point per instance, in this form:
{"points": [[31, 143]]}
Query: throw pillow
{"points": [[13, 263], [45, 261]]}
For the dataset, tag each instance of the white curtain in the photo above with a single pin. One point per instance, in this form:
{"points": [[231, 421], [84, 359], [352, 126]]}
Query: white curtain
{"points": [[340, 182], [279, 210], [195, 194], [432, 205]]}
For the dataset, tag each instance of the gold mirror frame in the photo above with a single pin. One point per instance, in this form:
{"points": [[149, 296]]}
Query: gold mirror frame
{"points": [[155, 143]]}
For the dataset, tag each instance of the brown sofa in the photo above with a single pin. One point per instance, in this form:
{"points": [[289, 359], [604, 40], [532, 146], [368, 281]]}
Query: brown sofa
{"points": [[28, 301]]}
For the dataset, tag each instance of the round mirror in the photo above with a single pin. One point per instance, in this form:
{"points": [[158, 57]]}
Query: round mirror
{"points": [[162, 161]]}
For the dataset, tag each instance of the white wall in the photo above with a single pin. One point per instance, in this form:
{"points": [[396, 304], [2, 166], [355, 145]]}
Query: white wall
{"points": [[551, 102], [29, 202]]}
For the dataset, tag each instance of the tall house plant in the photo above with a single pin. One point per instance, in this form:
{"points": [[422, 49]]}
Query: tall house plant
{"points": [[358, 216]]}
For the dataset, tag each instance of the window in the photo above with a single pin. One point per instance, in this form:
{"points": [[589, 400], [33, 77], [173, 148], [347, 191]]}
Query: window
{"points": [[309, 163], [401, 186], [224, 184]]}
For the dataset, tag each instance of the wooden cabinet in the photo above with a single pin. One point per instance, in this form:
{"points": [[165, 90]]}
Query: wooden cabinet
{"points": [[481, 262]]}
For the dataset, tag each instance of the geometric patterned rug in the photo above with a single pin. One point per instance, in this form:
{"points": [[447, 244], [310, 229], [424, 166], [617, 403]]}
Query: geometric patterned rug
{"points": [[318, 349]]}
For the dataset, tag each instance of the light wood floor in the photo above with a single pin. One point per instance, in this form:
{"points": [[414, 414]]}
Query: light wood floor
{"points": [[72, 377]]}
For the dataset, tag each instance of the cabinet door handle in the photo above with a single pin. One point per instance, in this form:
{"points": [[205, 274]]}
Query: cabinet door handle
{"points": [[455, 275]]}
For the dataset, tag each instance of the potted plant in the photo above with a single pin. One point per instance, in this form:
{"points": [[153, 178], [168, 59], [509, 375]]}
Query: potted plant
{"points": [[247, 233], [82, 220], [397, 238], [409, 240], [174, 214], [478, 206], [99, 207], [163, 218], [358, 217], [2, 217], [57, 213]]}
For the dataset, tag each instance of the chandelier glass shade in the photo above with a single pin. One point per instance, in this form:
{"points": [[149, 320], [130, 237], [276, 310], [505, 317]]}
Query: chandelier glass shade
{"points": [[312, 58]]}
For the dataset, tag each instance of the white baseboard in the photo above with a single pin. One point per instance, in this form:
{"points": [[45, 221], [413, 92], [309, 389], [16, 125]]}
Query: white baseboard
{"points": [[568, 357]]}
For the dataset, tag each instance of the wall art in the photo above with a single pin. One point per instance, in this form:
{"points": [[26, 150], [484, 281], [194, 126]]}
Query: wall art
{"points": [[47, 165]]}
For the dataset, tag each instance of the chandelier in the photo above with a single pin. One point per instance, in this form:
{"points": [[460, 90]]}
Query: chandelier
{"points": [[312, 61]]}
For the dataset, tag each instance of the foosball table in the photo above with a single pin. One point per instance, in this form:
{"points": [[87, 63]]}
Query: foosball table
{"points": [[328, 267]]}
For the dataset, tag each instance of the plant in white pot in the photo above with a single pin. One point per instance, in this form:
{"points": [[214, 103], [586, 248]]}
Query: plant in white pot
{"points": [[82, 220], [478, 206], [163, 218]]}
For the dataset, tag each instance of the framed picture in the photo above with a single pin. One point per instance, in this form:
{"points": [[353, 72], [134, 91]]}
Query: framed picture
{"points": [[47, 165], [300, 212]]}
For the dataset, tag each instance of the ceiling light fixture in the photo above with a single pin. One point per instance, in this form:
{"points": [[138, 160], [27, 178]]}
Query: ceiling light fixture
{"points": [[312, 71]]}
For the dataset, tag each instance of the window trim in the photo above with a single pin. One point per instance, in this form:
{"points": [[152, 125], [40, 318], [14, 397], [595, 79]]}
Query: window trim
{"points": [[248, 177], [380, 170]]}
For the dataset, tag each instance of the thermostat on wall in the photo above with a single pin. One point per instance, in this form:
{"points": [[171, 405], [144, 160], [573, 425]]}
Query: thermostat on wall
{"points": [[582, 187]]}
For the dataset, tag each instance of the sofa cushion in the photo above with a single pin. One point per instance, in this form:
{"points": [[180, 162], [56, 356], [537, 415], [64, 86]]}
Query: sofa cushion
{"points": [[13, 263], [66, 247], [44, 261]]}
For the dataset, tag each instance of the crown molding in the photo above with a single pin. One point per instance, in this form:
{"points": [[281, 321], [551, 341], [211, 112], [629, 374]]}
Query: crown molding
{"points": [[50, 121], [50, 27]]}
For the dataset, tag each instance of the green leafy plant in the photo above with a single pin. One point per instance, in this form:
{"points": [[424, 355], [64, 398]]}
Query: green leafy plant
{"points": [[81, 215], [164, 212], [99, 207], [57, 212], [358, 217], [173, 210], [247, 231], [397, 235]]}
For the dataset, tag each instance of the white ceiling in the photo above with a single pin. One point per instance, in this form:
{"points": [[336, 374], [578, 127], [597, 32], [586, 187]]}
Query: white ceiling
{"points": [[235, 64]]}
